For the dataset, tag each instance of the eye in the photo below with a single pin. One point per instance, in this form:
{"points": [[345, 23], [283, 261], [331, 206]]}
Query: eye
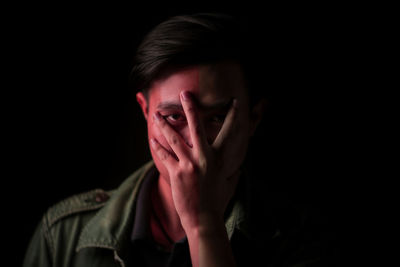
{"points": [[176, 117]]}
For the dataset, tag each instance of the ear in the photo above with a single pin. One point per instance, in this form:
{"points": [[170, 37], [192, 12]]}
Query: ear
{"points": [[256, 114], [141, 99]]}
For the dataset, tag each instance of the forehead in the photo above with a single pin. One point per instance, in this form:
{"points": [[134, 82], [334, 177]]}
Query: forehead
{"points": [[208, 83]]}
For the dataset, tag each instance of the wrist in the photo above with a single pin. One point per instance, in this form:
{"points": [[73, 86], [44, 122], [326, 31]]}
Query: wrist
{"points": [[204, 226]]}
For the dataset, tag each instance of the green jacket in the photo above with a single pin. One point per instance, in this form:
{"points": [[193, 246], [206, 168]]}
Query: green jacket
{"points": [[94, 228]]}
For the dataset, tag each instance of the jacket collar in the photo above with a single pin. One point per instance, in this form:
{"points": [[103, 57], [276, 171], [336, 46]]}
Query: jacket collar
{"points": [[112, 226]]}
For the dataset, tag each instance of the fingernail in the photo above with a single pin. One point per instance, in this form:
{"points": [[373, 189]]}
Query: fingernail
{"points": [[153, 141], [156, 116], [234, 103], [185, 95]]}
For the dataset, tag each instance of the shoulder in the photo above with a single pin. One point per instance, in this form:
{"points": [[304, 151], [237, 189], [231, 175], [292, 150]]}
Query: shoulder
{"points": [[83, 203], [61, 225], [86, 205]]}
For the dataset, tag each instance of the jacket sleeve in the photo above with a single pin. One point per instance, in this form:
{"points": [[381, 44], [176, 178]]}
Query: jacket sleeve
{"points": [[39, 250]]}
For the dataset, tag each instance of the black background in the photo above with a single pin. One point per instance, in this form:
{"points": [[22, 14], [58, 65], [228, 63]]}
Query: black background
{"points": [[72, 124]]}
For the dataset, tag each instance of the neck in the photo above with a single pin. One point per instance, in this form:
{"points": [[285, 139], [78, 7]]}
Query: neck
{"points": [[164, 209]]}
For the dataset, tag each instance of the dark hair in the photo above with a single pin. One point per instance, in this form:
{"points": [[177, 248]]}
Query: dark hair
{"points": [[188, 40]]}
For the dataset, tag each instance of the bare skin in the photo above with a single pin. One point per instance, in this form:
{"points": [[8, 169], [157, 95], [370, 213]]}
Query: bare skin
{"points": [[199, 123]]}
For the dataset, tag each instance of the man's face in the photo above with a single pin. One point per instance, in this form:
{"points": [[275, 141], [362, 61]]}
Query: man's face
{"points": [[212, 86]]}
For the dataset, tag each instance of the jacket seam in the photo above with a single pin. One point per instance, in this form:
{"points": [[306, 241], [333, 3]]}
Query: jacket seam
{"points": [[94, 245], [66, 214]]}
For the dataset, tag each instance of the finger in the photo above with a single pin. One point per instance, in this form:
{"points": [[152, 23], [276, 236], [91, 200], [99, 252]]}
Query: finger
{"points": [[162, 153], [175, 141], [227, 127], [196, 127]]}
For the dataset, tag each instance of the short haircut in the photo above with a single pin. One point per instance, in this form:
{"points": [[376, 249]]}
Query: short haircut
{"points": [[189, 40]]}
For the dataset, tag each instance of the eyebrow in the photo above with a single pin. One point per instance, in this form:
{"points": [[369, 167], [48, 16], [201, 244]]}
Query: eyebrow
{"points": [[223, 104], [169, 105]]}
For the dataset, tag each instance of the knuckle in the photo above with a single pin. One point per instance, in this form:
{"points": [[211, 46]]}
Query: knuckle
{"points": [[182, 173], [191, 109], [164, 155], [178, 174], [189, 167], [160, 149], [156, 146], [174, 139]]}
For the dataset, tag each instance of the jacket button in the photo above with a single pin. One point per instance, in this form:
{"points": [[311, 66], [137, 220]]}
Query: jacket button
{"points": [[101, 197]]}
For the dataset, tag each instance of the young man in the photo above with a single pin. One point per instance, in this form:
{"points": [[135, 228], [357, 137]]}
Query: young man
{"points": [[187, 207]]}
